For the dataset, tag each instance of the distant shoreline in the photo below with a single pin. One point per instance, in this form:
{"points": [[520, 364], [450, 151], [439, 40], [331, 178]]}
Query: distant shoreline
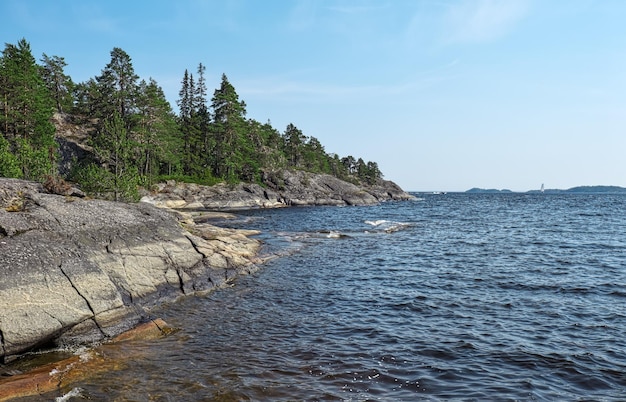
{"points": [[573, 190]]}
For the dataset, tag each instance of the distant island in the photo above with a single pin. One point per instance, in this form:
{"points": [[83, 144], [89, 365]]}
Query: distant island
{"points": [[491, 190], [573, 190]]}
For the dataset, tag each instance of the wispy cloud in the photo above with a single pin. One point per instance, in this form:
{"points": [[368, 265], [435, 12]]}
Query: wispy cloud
{"points": [[30, 16], [93, 18], [303, 16], [286, 89], [473, 21], [358, 9]]}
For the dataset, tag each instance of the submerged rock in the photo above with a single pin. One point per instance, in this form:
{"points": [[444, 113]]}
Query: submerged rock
{"points": [[80, 270], [43, 379]]}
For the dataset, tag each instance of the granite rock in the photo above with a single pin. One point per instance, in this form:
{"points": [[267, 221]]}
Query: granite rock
{"points": [[80, 270]]}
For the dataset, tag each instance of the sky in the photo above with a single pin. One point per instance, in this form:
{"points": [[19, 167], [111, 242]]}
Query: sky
{"points": [[445, 95]]}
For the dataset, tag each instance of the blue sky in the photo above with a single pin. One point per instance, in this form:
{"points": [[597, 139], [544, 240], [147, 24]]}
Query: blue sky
{"points": [[443, 94]]}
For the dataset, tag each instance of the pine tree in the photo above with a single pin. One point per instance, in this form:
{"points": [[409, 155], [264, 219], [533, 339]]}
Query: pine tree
{"points": [[85, 95], [361, 169], [117, 87], [315, 158], [266, 150], [58, 83], [373, 173], [294, 145], [25, 112]]}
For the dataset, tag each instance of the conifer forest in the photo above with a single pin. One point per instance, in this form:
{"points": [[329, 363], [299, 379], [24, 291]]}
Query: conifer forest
{"points": [[136, 137]]}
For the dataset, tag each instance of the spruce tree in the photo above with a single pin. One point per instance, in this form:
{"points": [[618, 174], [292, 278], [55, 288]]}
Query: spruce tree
{"points": [[188, 125], [157, 133], [184, 98], [202, 122], [229, 126]]}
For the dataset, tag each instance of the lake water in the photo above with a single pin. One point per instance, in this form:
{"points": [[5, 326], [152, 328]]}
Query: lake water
{"points": [[449, 297]]}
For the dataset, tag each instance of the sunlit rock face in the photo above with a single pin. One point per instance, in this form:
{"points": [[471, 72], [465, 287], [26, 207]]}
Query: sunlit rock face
{"points": [[77, 270], [279, 189]]}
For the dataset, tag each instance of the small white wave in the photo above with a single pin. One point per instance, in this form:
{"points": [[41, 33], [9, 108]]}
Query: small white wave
{"points": [[386, 226], [396, 226], [377, 222], [76, 392], [330, 234]]}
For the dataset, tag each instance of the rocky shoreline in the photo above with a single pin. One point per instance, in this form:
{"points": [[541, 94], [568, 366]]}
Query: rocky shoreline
{"points": [[79, 270], [281, 189]]}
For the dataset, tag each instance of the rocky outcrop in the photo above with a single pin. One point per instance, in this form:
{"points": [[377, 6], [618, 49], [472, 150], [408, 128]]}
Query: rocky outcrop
{"points": [[72, 139], [76, 270], [280, 189]]}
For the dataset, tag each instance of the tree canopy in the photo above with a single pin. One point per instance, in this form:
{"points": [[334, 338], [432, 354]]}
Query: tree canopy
{"points": [[136, 137], [28, 148]]}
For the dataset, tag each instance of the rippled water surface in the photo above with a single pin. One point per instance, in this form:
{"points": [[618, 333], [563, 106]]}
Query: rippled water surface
{"points": [[450, 297]]}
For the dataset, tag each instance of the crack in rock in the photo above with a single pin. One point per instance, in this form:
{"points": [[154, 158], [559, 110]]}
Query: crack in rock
{"points": [[83, 297], [49, 314], [181, 282], [195, 246], [2, 348]]}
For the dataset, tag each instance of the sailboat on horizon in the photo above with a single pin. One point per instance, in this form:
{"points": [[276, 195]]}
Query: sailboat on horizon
{"points": [[542, 188]]}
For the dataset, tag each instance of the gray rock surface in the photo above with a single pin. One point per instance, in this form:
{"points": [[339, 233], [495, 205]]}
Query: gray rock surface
{"points": [[281, 189], [76, 270]]}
